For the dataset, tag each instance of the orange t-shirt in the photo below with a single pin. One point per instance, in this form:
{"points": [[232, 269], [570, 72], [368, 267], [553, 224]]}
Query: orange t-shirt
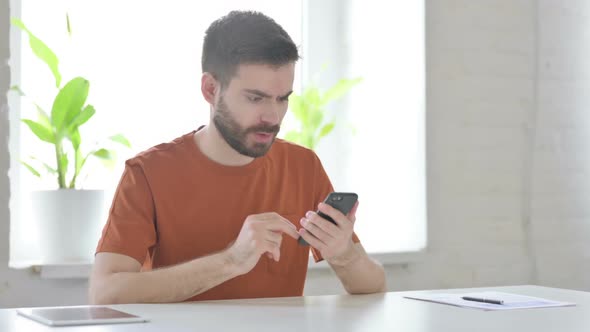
{"points": [[173, 204]]}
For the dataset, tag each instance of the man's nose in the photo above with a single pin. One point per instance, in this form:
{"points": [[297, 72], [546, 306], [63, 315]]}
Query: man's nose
{"points": [[270, 114]]}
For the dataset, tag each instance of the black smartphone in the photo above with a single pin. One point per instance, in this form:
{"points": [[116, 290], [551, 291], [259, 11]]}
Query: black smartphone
{"points": [[343, 202]]}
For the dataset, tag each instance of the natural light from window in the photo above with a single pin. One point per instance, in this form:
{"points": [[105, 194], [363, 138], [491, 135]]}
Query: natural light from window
{"points": [[142, 59]]}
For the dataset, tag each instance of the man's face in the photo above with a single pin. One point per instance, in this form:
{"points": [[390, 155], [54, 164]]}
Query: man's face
{"points": [[249, 111]]}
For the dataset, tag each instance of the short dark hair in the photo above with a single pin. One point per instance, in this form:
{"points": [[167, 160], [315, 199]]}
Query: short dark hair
{"points": [[245, 37]]}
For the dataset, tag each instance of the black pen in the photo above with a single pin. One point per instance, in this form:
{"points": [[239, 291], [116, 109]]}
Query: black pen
{"points": [[479, 299]]}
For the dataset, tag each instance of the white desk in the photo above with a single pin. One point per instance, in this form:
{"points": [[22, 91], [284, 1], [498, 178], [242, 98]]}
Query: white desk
{"points": [[378, 312]]}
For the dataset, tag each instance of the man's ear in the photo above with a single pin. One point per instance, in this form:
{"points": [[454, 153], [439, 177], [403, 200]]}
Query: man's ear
{"points": [[209, 87]]}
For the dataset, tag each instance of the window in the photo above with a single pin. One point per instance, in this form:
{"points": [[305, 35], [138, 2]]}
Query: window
{"points": [[383, 158], [143, 62]]}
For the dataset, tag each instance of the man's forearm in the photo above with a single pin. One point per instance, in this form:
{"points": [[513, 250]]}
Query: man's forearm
{"points": [[359, 273], [172, 284]]}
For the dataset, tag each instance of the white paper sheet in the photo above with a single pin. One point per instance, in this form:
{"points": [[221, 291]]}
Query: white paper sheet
{"points": [[511, 301]]}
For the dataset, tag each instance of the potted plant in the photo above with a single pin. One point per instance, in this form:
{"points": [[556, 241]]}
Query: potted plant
{"points": [[69, 219], [309, 109]]}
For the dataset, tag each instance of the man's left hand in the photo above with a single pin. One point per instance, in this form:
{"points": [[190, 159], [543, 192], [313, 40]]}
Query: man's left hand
{"points": [[332, 241]]}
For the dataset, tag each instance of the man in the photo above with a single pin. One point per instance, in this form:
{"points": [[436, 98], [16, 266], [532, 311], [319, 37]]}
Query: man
{"points": [[216, 213]]}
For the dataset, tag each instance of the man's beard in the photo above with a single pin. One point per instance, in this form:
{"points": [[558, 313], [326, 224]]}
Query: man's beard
{"points": [[237, 137]]}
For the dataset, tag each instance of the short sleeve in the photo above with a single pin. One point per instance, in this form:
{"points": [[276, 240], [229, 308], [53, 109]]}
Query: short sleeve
{"points": [[130, 229]]}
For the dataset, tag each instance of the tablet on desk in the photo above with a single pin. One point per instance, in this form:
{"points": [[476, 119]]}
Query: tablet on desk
{"points": [[84, 315]]}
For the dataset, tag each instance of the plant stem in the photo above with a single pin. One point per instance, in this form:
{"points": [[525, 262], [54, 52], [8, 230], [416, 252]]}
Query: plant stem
{"points": [[77, 156], [61, 176]]}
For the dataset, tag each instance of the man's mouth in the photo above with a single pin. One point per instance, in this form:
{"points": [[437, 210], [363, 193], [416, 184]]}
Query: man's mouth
{"points": [[263, 137]]}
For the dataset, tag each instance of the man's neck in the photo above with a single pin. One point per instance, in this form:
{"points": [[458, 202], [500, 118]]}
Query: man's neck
{"points": [[214, 146]]}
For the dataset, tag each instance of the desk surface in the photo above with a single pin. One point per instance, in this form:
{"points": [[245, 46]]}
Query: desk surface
{"points": [[377, 312]]}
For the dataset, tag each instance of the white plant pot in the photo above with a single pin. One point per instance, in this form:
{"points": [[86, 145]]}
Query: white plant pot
{"points": [[69, 223]]}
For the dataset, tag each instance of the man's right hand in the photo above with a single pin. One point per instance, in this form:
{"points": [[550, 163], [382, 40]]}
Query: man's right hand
{"points": [[260, 234], [118, 278]]}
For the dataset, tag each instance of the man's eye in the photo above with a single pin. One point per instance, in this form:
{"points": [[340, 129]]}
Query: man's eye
{"points": [[254, 99]]}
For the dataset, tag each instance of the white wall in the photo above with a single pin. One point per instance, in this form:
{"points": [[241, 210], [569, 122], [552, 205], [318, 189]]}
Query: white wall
{"points": [[508, 154], [560, 208]]}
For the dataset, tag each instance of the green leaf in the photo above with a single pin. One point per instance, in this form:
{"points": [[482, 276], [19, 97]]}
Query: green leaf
{"points": [[311, 100], [339, 89], [50, 169], [68, 25], [31, 169], [75, 138], [82, 118], [42, 132], [121, 140], [42, 116], [68, 103], [103, 154], [45, 165], [326, 129], [41, 50], [309, 141], [18, 90], [293, 136], [107, 157], [316, 117], [311, 97], [296, 106]]}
